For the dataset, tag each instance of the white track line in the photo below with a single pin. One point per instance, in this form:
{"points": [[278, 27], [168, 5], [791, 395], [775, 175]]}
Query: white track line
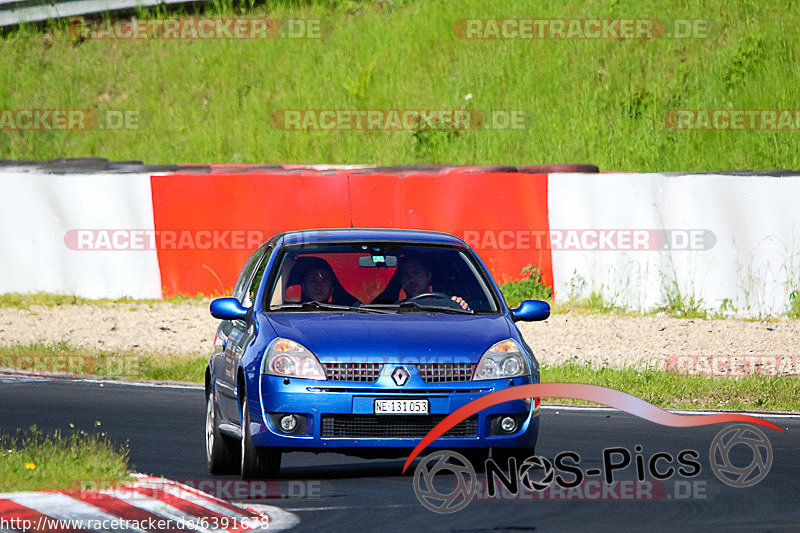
{"points": [[280, 519], [22, 379], [26, 378], [762, 414], [342, 507]]}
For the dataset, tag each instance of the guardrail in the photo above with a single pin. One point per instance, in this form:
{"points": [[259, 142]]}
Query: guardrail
{"points": [[13, 12]]}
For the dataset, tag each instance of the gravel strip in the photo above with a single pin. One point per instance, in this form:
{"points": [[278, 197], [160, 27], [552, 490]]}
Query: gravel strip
{"points": [[624, 341], [169, 329], [601, 340]]}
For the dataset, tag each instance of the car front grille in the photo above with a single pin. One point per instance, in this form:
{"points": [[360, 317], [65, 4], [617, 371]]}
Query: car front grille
{"points": [[435, 391], [445, 372], [350, 371], [370, 372], [392, 426]]}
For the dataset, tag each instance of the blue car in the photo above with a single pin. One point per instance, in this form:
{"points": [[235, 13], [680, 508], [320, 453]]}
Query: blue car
{"points": [[359, 341]]}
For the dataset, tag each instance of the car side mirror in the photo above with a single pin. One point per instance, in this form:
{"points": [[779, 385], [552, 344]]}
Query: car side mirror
{"points": [[531, 311], [227, 309]]}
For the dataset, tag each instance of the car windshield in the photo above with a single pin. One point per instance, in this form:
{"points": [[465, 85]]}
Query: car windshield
{"points": [[379, 277]]}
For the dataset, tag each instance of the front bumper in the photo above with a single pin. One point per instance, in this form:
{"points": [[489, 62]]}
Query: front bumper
{"points": [[347, 406]]}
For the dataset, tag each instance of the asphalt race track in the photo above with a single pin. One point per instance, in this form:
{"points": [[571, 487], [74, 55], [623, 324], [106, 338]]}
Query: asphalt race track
{"points": [[164, 428]]}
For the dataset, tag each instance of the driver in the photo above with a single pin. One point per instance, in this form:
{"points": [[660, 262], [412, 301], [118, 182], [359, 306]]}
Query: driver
{"points": [[415, 279]]}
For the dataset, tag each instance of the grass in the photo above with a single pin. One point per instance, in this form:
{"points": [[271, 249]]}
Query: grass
{"points": [[31, 460], [528, 288], [532, 288], [64, 358], [18, 300], [661, 388], [599, 101], [593, 304], [677, 304], [676, 391], [794, 304]]}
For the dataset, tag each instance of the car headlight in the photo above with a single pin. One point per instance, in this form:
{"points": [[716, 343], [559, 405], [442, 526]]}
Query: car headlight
{"points": [[290, 359], [505, 359]]}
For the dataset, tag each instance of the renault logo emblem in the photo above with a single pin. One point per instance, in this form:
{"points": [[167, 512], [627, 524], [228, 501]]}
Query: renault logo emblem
{"points": [[400, 376]]}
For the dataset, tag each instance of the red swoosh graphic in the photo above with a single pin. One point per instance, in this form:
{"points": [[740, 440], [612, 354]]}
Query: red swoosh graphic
{"points": [[580, 391]]}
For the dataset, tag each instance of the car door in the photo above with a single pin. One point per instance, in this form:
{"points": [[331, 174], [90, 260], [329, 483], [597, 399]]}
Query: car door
{"points": [[240, 334], [222, 370]]}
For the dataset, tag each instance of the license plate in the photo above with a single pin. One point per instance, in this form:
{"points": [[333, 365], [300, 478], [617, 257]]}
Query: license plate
{"points": [[402, 407]]}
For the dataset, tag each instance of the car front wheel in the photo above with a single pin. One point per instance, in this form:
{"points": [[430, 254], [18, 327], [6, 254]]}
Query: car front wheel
{"points": [[256, 462], [222, 455]]}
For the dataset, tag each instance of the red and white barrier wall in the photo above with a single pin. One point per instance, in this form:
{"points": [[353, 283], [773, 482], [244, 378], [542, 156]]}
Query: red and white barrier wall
{"points": [[456, 201], [36, 212], [735, 240], [638, 240]]}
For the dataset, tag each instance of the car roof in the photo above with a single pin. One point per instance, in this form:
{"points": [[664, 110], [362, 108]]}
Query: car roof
{"points": [[369, 235]]}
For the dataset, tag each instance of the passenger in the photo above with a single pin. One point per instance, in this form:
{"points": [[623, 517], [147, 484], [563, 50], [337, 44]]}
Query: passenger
{"points": [[317, 282], [415, 279], [317, 285]]}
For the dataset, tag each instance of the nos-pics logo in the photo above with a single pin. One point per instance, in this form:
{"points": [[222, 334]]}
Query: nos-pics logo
{"points": [[444, 496], [454, 499]]}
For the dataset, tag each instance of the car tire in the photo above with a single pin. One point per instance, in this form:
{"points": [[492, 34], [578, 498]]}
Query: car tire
{"points": [[222, 453], [257, 463], [502, 455]]}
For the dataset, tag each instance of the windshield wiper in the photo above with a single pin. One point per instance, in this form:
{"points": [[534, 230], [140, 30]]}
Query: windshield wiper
{"points": [[323, 305], [409, 305]]}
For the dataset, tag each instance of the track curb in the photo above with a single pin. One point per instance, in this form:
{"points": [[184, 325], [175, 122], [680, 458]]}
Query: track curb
{"points": [[147, 504]]}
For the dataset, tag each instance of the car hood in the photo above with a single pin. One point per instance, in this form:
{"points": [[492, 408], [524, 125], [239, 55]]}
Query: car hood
{"points": [[358, 336]]}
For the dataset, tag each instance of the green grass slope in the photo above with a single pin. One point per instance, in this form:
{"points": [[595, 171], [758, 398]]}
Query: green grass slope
{"points": [[599, 101]]}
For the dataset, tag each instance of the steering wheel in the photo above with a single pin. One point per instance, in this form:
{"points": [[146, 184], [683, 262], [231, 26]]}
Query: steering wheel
{"points": [[447, 300], [428, 295]]}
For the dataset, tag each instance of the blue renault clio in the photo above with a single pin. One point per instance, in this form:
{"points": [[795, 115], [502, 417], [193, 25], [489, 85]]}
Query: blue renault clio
{"points": [[359, 341]]}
